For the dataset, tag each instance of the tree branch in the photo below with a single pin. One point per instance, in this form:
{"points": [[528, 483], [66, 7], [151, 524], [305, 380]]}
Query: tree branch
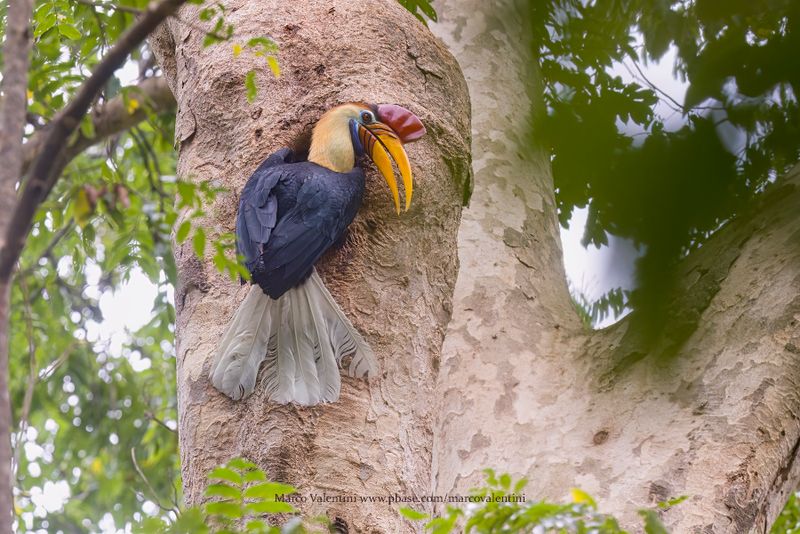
{"points": [[16, 52], [48, 251], [110, 119], [52, 156], [134, 11]]}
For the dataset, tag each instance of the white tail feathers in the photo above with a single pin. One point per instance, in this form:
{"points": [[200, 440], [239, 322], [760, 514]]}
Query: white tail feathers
{"points": [[302, 338]]}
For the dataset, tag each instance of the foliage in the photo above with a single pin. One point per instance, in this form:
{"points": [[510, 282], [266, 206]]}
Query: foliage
{"points": [[421, 9], [501, 506], [666, 184], [242, 500], [592, 312], [97, 404], [96, 417], [789, 520]]}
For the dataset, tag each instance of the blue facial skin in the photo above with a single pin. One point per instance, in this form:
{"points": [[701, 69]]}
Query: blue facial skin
{"points": [[354, 136]]}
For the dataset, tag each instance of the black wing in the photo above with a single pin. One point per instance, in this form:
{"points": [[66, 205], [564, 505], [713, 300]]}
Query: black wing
{"points": [[325, 205], [258, 207]]}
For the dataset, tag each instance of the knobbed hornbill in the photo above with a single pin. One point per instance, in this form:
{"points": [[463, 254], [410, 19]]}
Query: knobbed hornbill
{"points": [[290, 213]]}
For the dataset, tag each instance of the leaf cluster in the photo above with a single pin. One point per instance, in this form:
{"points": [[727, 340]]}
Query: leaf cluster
{"points": [[85, 403], [788, 522], [422, 9], [94, 412], [666, 182], [500, 507], [240, 500]]}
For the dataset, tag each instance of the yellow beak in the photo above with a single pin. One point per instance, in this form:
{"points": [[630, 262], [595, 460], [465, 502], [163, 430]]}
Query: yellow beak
{"points": [[380, 141]]}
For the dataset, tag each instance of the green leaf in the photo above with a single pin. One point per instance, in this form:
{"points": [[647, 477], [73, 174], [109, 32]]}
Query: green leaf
{"points": [[268, 490], [190, 521], [672, 502], [199, 242], [220, 261], [225, 509], [256, 525], [273, 66], [250, 85], [87, 127], [412, 514], [262, 43], [581, 497], [255, 476], [223, 490], [241, 464], [183, 231], [441, 525], [45, 24], [223, 473], [270, 507], [187, 193], [69, 31], [150, 525], [652, 523]]}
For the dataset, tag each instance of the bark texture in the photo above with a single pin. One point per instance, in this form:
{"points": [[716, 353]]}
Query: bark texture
{"points": [[16, 59], [523, 389], [393, 277]]}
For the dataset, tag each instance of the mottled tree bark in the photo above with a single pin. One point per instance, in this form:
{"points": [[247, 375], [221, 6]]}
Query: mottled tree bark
{"points": [[524, 389], [393, 277]]}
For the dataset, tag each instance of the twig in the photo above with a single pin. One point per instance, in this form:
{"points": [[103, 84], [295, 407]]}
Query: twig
{"points": [[47, 252], [153, 156], [152, 417], [150, 161], [655, 88], [50, 370], [149, 486], [671, 102], [32, 373]]}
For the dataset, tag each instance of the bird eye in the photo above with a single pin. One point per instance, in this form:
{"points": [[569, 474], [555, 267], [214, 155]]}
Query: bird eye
{"points": [[366, 117]]}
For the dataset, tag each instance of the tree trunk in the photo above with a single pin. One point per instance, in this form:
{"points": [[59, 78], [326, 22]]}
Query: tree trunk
{"points": [[16, 60], [393, 277], [523, 389], [6, 455]]}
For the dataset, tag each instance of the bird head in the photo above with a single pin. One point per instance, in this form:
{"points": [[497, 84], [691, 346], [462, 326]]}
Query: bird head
{"points": [[379, 131]]}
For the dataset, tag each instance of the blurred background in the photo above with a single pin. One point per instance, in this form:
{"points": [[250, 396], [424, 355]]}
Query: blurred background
{"points": [[665, 120]]}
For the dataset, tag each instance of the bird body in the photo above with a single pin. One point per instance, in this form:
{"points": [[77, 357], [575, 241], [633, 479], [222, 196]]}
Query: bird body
{"points": [[290, 214]]}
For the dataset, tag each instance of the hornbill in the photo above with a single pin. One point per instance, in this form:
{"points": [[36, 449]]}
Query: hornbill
{"points": [[290, 213]]}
